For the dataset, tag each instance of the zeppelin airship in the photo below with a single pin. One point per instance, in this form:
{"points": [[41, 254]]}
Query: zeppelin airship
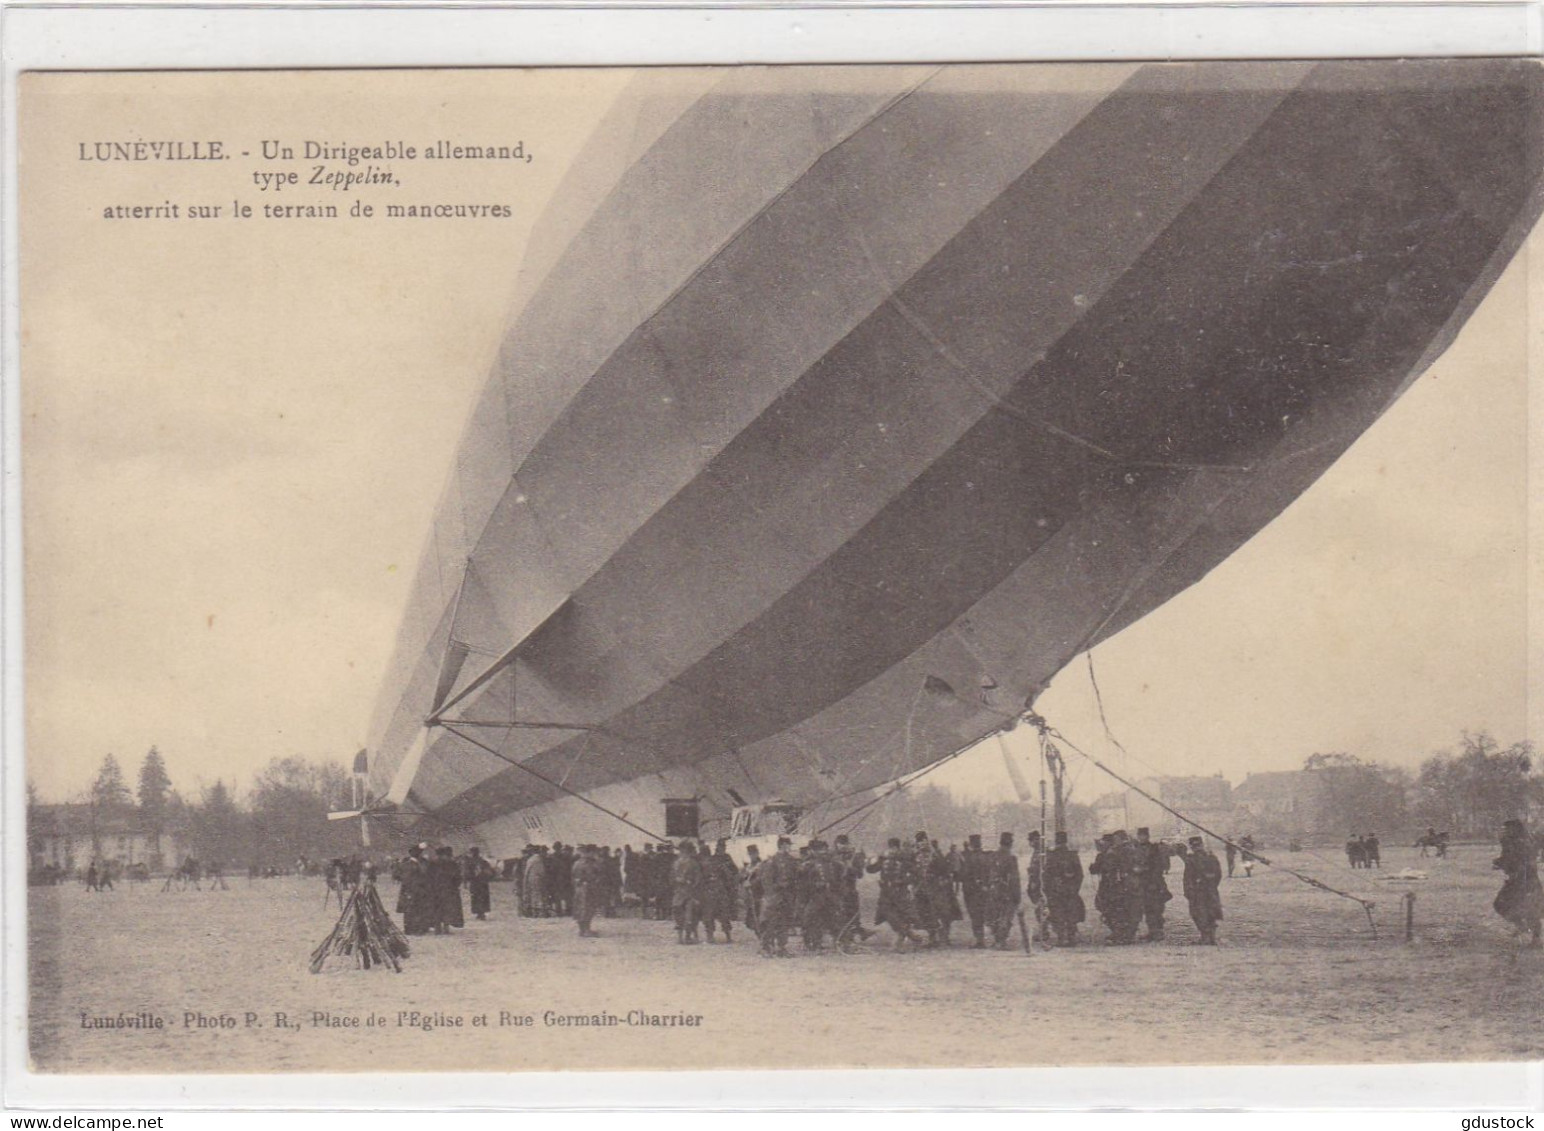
{"points": [[842, 407]]}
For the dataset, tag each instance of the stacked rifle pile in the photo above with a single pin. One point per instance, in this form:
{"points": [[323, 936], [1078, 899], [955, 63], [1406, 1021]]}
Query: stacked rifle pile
{"points": [[365, 933]]}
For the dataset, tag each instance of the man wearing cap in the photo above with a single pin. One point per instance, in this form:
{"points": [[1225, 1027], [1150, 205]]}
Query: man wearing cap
{"points": [[779, 880], [750, 889], [589, 876], [1118, 899], [973, 886], [934, 894], [1150, 862], [849, 915], [686, 877], [1203, 879], [1003, 889], [1034, 886], [1063, 891], [820, 879], [897, 868], [721, 879]]}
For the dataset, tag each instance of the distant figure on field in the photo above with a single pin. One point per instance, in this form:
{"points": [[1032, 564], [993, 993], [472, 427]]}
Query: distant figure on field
{"points": [[1356, 852]]}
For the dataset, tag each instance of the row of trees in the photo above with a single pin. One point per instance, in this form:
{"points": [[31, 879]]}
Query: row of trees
{"points": [[1467, 790], [282, 816]]}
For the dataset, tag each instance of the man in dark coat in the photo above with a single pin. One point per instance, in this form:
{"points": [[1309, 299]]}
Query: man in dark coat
{"points": [[820, 881], [897, 868], [477, 873], [1203, 878], [415, 898], [445, 880], [778, 878], [1521, 898], [750, 889], [849, 914], [1034, 886], [934, 893], [1003, 889], [720, 884], [687, 878], [973, 885], [1150, 861], [1119, 899], [1103, 866], [1063, 891], [589, 879]]}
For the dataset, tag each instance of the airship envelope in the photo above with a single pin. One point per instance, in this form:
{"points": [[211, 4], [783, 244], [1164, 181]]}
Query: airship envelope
{"points": [[843, 407]]}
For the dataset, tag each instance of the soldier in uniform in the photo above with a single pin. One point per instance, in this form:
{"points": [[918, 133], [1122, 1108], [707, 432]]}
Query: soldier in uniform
{"points": [[1521, 898], [849, 915], [1002, 890], [820, 881], [1118, 899], [1063, 891], [934, 893], [973, 885], [1150, 861], [589, 878], [686, 876], [721, 881], [1103, 866], [779, 879], [750, 889], [897, 870], [1203, 878], [1034, 888]]}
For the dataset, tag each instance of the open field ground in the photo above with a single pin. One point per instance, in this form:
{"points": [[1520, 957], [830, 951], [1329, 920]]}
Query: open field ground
{"points": [[1299, 979]]}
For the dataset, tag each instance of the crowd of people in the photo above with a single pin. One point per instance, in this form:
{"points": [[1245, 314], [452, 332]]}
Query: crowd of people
{"points": [[923, 891], [429, 891]]}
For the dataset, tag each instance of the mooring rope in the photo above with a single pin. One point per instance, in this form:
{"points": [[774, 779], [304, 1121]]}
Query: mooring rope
{"points": [[1367, 905]]}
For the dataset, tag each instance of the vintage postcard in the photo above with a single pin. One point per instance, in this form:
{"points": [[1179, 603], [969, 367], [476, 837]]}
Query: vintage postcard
{"points": [[781, 567]]}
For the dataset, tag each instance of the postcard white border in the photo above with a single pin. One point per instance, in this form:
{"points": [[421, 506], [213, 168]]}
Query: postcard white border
{"points": [[283, 35]]}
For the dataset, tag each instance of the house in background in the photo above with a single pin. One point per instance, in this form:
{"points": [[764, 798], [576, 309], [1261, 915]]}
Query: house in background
{"points": [[70, 837], [1206, 800], [1288, 802]]}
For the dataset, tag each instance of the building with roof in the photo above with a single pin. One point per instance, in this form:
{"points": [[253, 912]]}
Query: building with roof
{"points": [[70, 837]]}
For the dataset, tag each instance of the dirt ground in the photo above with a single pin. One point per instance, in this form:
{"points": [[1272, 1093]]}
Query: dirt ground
{"points": [[1299, 979]]}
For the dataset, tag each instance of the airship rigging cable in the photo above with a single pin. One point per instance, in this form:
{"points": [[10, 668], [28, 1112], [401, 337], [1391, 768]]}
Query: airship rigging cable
{"points": [[544, 778], [1367, 905]]}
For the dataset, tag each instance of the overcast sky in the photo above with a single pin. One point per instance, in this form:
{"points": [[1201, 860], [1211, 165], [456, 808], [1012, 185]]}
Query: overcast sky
{"points": [[235, 437]]}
